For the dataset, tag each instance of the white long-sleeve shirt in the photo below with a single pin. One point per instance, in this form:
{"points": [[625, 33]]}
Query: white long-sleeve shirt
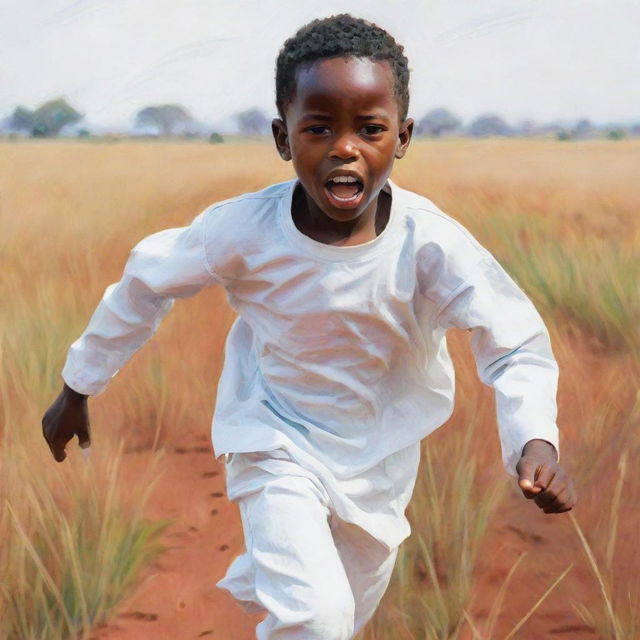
{"points": [[338, 352]]}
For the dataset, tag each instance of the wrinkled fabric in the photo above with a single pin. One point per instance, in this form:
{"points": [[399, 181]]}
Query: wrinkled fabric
{"points": [[312, 573], [338, 354]]}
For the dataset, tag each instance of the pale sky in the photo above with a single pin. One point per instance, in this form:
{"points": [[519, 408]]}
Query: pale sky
{"points": [[540, 59]]}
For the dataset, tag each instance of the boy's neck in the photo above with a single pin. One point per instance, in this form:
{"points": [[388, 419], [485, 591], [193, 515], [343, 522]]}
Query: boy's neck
{"points": [[319, 227]]}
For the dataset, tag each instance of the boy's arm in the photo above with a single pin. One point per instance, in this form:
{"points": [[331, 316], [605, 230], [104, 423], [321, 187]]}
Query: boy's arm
{"points": [[513, 355], [166, 265]]}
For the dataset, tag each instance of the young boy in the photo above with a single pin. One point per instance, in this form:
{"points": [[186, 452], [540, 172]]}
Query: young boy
{"points": [[337, 365]]}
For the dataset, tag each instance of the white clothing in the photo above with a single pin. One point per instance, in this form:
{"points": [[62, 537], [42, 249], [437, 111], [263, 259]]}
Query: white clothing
{"points": [[338, 355], [315, 575]]}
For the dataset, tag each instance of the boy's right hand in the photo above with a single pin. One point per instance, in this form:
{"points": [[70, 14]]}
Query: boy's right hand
{"points": [[66, 417]]}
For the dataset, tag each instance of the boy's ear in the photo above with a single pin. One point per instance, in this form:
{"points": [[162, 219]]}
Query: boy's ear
{"points": [[404, 137], [281, 137]]}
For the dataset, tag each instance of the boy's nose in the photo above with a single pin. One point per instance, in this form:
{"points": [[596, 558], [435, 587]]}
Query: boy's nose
{"points": [[344, 148]]}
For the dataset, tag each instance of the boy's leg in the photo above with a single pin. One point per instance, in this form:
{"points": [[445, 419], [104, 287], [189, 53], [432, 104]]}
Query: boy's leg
{"points": [[368, 565], [291, 568]]}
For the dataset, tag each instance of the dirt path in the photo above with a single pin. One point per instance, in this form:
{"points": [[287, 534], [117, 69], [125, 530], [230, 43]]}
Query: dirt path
{"points": [[549, 545], [178, 599]]}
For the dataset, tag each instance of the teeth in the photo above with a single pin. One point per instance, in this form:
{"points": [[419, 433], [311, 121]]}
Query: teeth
{"points": [[346, 199], [344, 179]]}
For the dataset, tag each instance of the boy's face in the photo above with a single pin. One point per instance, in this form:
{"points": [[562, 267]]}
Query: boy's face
{"points": [[343, 124]]}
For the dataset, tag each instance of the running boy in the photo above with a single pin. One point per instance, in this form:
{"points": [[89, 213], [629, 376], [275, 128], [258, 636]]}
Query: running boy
{"points": [[337, 365]]}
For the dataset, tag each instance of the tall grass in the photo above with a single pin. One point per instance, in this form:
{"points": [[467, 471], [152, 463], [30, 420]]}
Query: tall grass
{"points": [[453, 499], [573, 247], [70, 548], [563, 227], [72, 541], [434, 571], [432, 589], [69, 558], [486, 631], [591, 284], [617, 615], [72, 536]]}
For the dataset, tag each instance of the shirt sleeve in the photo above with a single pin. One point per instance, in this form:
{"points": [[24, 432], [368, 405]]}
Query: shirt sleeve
{"points": [[164, 266], [513, 355]]}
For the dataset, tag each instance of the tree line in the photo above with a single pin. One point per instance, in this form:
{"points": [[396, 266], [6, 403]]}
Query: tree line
{"points": [[56, 116]]}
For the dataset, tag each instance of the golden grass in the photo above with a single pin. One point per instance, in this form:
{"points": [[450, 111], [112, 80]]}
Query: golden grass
{"points": [[562, 218], [69, 558], [618, 616], [453, 499]]}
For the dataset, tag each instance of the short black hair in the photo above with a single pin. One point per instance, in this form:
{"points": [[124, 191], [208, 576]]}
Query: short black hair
{"points": [[337, 36]]}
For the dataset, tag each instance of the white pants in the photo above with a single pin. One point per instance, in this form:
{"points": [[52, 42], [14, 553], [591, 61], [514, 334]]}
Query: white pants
{"points": [[315, 575]]}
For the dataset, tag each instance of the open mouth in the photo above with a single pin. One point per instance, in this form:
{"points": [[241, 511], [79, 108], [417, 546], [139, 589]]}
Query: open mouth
{"points": [[344, 190]]}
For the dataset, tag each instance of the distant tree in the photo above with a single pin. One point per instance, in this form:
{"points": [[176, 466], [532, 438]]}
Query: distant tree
{"points": [[489, 124], [51, 116], [565, 134], [166, 118], [215, 138], [437, 122], [526, 127], [253, 122], [583, 128], [551, 128], [46, 120], [22, 119], [40, 131], [616, 134]]}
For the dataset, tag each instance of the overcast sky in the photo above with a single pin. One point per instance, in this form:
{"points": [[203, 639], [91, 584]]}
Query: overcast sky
{"points": [[541, 59]]}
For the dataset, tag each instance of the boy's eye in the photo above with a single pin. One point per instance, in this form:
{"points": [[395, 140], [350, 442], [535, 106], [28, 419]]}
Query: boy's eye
{"points": [[318, 129], [372, 129]]}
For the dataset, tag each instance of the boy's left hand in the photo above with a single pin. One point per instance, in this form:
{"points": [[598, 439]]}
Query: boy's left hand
{"points": [[542, 479]]}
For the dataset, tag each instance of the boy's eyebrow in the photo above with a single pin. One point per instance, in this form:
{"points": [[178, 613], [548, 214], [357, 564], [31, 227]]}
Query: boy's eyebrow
{"points": [[374, 116], [316, 116], [326, 118]]}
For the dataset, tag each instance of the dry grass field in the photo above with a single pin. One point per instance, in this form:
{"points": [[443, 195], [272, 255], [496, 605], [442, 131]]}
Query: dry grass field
{"points": [[482, 564]]}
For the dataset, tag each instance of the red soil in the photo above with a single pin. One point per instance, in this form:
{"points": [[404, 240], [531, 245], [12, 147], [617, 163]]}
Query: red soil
{"points": [[178, 598], [551, 545]]}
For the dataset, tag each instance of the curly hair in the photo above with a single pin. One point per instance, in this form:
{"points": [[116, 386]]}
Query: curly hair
{"points": [[336, 36]]}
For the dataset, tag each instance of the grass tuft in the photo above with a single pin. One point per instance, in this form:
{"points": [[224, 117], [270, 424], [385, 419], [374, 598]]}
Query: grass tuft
{"points": [[71, 553]]}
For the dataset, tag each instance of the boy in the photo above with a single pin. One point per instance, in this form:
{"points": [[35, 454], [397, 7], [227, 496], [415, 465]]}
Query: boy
{"points": [[337, 365]]}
